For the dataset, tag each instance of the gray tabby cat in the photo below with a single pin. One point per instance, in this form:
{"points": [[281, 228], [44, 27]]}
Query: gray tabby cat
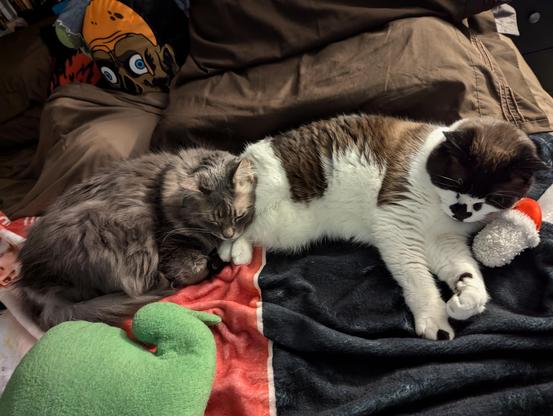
{"points": [[126, 237]]}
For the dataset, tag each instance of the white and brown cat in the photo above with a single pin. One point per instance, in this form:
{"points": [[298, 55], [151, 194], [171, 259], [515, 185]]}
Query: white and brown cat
{"points": [[415, 191]]}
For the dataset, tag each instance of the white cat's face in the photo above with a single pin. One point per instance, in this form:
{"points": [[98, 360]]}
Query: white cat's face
{"points": [[481, 167], [463, 207]]}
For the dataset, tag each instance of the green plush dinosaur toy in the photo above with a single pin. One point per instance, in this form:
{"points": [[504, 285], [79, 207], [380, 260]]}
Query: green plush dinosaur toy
{"points": [[92, 369]]}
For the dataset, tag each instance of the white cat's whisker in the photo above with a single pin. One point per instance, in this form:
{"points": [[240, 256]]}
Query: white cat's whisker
{"points": [[447, 178], [508, 194]]}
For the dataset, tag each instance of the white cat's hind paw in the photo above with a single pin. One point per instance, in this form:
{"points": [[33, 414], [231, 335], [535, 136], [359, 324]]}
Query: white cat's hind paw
{"points": [[470, 298], [434, 328], [242, 252], [225, 250]]}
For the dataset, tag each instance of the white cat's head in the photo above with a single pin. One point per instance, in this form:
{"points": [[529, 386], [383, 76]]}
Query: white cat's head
{"points": [[483, 166]]}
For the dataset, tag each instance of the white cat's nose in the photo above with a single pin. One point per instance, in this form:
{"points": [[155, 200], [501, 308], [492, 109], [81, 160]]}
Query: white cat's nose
{"points": [[228, 232], [459, 211]]}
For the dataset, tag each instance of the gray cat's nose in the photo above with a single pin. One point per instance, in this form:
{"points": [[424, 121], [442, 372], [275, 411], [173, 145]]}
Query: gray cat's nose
{"points": [[459, 211], [228, 232]]}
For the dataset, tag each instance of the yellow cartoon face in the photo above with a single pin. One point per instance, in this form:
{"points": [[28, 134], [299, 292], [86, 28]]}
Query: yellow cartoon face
{"points": [[125, 48], [136, 65]]}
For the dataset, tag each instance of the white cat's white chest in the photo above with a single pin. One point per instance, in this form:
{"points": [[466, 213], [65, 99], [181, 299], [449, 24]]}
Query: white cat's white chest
{"points": [[350, 202], [343, 212]]}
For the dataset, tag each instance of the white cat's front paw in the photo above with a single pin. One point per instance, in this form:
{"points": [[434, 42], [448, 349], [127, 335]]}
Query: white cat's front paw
{"points": [[434, 326], [225, 250], [242, 252], [470, 298]]}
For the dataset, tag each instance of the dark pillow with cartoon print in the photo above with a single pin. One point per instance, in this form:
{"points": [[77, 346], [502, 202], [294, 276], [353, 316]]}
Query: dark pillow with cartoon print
{"points": [[137, 45], [68, 65]]}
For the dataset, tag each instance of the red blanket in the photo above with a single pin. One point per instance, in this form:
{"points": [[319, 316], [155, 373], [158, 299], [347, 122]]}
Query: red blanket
{"points": [[242, 379]]}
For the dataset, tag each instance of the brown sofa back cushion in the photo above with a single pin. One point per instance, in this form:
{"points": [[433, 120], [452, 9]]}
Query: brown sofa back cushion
{"points": [[422, 68], [231, 34]]}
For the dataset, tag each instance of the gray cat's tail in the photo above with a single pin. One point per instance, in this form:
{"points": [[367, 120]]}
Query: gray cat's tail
{"points": [[112, 309]]}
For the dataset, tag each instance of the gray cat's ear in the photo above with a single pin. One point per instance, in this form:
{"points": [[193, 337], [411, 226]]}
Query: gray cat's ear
{"points": [[244, 174], [189, 184]]}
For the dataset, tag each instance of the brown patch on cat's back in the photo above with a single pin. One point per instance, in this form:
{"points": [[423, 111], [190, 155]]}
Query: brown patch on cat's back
{"points": [[403, 144], [304, 151], [383, 138], [299, 151], [388, 142]]}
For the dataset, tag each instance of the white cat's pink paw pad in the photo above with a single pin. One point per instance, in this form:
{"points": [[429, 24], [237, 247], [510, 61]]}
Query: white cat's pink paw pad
{"points": [[470, 298], [434, 328], [225, 250], [242, 252]]}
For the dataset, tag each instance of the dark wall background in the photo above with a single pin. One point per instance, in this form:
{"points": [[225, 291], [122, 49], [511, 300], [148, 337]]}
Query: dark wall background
{"points": [[535, 23]]}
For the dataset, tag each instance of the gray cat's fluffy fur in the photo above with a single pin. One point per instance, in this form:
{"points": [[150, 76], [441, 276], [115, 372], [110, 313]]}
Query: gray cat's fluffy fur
{"points": [[126, 236]]}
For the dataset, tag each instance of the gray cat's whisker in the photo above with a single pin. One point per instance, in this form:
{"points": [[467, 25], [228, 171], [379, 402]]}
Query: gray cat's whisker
{"points": [[185, 231]]}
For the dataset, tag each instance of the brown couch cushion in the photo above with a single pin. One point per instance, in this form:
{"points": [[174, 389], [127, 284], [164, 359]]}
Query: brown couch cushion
{"points": [[82, 129], [422, 68], [232, 34]]}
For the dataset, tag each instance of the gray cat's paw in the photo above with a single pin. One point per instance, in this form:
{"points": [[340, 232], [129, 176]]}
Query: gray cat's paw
{"points": [[434, 327], [200, 267], [196, 271], [225, 250], [242, 252], [470, 298]]}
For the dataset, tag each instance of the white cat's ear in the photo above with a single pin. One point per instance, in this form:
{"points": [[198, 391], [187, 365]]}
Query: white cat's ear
{"points": [[454, 136], [458, 142], [244, 174], [462, 137]]}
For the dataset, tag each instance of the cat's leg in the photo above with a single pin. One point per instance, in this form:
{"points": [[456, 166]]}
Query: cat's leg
{"points": [[225, 250], [239, 251], [452, 261], [242, 251], [405, 259]]}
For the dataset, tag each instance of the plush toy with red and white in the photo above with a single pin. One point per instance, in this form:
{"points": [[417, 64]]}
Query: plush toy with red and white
{"points": [[509, 234]]}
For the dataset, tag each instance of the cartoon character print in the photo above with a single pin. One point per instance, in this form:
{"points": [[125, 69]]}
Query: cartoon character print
{"points": [[137, 65], [77, 67], [125, 48]]}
